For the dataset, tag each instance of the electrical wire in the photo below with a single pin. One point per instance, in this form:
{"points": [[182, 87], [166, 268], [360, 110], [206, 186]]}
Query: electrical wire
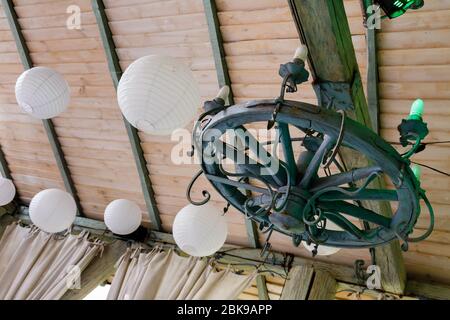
{"points": [[431, 168]]}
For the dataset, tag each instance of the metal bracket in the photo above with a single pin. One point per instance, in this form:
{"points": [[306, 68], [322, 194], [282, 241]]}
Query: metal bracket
{"points": [[339, 95], [336, 94]]}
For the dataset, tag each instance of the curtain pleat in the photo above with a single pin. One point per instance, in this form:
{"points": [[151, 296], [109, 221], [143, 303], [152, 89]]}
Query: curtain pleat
{"points": [[35, 265], [164, 275]]}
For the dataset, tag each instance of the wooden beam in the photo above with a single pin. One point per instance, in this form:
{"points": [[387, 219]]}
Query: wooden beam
{"points": [[298, 284], [428, 290], [223, 78], [216, 40], [27, 63], [324, 286], [346, 291], [116, 73], [306, 283], [323, 27], [249, 258], [373, 77], [98, 271]]}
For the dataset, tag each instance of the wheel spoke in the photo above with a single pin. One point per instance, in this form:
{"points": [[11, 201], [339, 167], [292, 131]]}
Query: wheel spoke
{"points": [[316, 161], [365, 194], [246, 165], [237, 184], [345, 224], [357, 212], [271, 163], [287, 151], [344, 178]]}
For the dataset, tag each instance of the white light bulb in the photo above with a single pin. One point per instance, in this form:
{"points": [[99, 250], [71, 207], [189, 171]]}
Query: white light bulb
{"points": [[158, 94], [123, 216], [42, 93], [224, 93], [7, 191], [53, 210], [200, 230], [301, 53]]}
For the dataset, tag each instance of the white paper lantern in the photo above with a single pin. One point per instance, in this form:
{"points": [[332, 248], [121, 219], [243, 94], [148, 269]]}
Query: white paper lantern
{"points": [[53, 210], [123, 216], [325, 250], [7, 191], [158, 95], [200, 230], [42, 92]]}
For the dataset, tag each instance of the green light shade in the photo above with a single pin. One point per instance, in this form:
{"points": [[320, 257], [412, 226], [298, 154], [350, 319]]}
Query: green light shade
{"points": [[396, 8], [417, 172], [417, 109]]}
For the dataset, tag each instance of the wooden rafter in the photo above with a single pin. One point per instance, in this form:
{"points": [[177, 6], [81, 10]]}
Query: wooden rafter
{"points": [[116, 72], [27, 63], [323, 26], [373, 78], [223, 78]]}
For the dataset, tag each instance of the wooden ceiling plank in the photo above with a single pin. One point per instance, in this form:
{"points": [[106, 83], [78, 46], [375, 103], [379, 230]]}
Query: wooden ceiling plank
{"points": [[27, 62], [116, 72], [322, 25]]}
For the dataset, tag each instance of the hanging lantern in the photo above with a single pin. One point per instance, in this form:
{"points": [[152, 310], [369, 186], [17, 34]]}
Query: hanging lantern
{"points": [[42, 93], [7, 191], [324, 250], [123, 216], [53, 210], [157, 95], [200, 230]]}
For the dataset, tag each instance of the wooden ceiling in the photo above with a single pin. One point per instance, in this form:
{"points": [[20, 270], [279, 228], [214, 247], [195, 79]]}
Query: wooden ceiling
{"points": [[414, 58]]}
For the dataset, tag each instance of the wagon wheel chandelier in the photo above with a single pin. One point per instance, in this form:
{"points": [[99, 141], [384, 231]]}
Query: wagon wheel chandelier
{"points": [[286, 194]]}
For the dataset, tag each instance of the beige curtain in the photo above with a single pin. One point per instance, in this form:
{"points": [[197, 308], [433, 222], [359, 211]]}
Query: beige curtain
{"points": [[160, 275], [35, 265]]}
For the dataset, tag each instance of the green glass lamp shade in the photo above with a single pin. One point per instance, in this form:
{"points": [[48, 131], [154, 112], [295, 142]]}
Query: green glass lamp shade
{"points": [[395, 8], [417, 109]]}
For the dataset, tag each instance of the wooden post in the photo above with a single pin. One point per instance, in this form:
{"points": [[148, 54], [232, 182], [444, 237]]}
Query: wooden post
{"points": [[324, 286], [298, 284], [27, 63], [116, 73], [323, 28], [98, 271]]}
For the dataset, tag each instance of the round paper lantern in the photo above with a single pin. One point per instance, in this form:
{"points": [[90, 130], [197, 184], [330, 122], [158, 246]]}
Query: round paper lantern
{"points": [[325, 250], [158, 95], [123, 216], [7, 191], [53, 210], [200, 230], [42, 92]]}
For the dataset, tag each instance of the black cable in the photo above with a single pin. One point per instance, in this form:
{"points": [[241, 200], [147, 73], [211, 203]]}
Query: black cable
{"points": [[431, 168], [422, 143]]}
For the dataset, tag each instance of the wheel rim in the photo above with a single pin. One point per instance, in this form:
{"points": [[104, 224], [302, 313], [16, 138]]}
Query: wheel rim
{"points": [[356, 136]]}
